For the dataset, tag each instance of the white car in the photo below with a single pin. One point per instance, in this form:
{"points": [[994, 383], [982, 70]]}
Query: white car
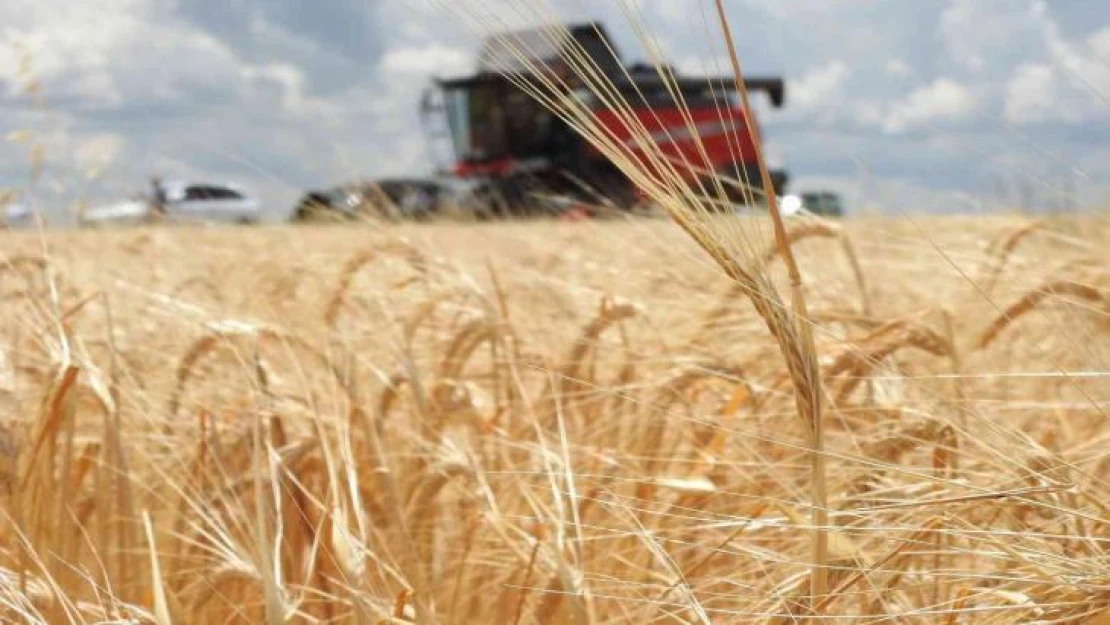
{"points": [[18, 215], [182, 201]]}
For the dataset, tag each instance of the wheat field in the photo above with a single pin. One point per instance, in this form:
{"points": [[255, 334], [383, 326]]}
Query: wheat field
{"points": [[543, 422]]}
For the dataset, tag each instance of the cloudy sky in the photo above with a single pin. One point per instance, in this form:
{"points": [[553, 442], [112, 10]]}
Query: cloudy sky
{"points": [[898, 104]]}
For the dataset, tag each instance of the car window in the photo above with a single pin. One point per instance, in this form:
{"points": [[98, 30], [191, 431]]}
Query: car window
{"points": [[199, 192]]}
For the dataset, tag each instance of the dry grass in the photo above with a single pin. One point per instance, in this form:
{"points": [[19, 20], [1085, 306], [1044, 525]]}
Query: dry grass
{"points": [[534, 423]]}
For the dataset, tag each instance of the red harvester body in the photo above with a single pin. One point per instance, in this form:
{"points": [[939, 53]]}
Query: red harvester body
{"points": [[507, 140]]}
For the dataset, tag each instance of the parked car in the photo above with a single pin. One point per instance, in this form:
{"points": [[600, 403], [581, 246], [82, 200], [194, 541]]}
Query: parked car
{"points": [[181, 201], [343, 202], [18, 215], [824, 203], [404, 198]]}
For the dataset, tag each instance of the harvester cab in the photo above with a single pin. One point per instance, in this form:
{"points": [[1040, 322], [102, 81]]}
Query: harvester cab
{"points": [[514, 146]]}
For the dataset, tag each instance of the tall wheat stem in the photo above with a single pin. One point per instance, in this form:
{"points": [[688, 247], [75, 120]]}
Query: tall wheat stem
{"points": [[809, 408]]}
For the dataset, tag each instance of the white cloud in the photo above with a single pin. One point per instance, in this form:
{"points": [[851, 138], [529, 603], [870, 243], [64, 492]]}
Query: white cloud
{"points": [[792, 9], [98, 151], [426, 60], [1049, 76], [942, 100], [1071, 85], [288, 80], [1031, 95], [898, 68], [978, 34], [1099, 43], [815, 89], [672, 10], [957, 22], [1086, 65]]}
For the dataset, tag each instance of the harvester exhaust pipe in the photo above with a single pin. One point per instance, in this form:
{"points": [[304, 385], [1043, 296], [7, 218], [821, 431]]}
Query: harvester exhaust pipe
{"points": [[774, 87]]}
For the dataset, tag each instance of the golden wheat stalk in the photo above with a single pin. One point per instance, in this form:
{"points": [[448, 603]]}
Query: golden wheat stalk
{"points": [[352, 267], [1028, 302], [1000, 249]]}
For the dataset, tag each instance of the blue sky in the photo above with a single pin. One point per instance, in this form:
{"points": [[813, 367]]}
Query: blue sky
{"points": [[899, 104]]}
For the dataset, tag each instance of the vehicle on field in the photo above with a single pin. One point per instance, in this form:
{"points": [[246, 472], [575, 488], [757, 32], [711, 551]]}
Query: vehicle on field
{"points": [[824, 203], [404, 198], [180, 201], [512, 146], [17, 214]]}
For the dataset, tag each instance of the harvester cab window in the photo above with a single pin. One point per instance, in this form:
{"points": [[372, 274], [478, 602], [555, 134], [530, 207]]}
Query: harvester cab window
{"points": [[487, 123], [475, 115], [494, 119], [457, 105], [531, 126]]}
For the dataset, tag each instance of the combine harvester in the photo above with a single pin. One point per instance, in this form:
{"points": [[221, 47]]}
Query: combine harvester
{"points": [[513, 156]]}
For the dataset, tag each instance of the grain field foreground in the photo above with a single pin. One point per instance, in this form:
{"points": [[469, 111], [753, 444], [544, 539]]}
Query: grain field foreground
{"points": [[551, 423]]}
